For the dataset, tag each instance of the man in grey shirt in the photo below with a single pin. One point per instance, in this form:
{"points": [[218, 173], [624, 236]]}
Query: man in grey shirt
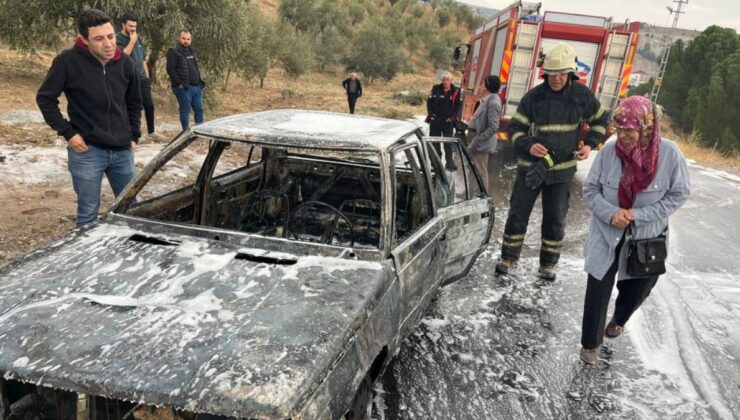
{"points": [[129, 42]]}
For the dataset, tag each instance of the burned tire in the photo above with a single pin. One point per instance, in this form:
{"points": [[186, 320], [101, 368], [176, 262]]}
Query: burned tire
{"points": [[362, 404]]}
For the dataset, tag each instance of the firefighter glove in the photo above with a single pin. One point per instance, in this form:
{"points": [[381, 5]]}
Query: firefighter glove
{"points": [[536, 175]]}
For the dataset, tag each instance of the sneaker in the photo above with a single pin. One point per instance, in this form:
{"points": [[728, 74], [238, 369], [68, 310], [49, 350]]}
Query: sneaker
{"points": [[613, 330], [547, 272], [504, 265], [155, 137], [590, 356]]}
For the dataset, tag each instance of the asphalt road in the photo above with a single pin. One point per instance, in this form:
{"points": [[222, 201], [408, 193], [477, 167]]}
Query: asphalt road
{"points": [[507, 347]]}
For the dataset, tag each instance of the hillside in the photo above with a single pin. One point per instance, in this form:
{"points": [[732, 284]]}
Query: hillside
{"points": [[653, 40]]}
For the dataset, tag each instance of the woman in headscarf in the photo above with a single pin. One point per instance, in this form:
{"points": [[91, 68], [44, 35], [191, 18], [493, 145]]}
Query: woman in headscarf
{"points": [[639, 179]]}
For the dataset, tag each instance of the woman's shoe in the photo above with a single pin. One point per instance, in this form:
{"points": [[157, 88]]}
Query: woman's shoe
{"points": [[590, 356], [613, 330]]}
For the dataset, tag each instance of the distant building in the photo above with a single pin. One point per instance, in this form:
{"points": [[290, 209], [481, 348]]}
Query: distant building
{"points": [[638, 77]]}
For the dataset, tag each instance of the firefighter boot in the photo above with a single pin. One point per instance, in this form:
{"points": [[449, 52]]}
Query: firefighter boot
{"points": [[504, 265], [547, 272]]}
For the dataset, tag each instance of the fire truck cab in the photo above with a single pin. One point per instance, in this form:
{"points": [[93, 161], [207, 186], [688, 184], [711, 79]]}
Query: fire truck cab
{"points": [[511, 42]]}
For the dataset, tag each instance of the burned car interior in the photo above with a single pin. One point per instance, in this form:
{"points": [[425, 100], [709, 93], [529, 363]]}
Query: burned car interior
{"points": [[308, 195]]}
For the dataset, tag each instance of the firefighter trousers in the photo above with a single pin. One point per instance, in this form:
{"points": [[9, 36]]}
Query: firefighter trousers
{"points": [[555, 199]]}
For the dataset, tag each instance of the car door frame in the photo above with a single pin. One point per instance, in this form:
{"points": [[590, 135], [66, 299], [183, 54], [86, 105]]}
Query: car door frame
{"points": [[469, 222], [418, 258]]}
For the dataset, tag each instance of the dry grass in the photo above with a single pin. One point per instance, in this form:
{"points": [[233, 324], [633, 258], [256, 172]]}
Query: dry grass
{"points": [[23, 73], [690, 147]]}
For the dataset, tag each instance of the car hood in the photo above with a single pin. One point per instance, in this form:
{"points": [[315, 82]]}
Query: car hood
{"points": [[187, 324]]}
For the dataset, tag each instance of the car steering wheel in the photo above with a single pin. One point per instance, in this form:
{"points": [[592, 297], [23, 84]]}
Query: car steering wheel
{"points": [[330, 229], [254, 212]]}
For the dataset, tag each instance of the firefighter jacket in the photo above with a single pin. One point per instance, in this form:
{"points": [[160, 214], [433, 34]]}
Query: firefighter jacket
{"points": [[443, 108], [554, 119]]}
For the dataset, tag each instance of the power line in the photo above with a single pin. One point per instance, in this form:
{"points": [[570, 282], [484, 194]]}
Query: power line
{"points": [[664, 61]]}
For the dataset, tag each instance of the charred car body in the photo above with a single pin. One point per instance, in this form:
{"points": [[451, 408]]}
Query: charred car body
{"points": [[264, 265]]}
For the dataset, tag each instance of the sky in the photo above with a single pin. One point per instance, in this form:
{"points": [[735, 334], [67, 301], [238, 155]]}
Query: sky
{"points": [[699, 14]]}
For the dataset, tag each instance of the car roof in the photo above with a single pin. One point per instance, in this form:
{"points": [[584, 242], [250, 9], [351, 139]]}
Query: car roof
{"points": [[313, 129]]}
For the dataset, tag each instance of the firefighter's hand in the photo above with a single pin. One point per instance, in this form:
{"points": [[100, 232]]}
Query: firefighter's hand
{"points": [[622, 218], [582, 153], [77, 144], [538, 150]]}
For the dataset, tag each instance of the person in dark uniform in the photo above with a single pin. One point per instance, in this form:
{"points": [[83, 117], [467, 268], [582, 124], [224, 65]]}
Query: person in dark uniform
{"points": [[545, 131], [353, 87], [443, 109]]}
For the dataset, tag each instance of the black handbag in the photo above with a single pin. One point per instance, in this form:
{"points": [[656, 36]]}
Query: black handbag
{"points": [[646, 257]]}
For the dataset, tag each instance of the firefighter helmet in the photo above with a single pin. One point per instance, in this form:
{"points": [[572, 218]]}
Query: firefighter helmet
{"points": [[559, 58]]}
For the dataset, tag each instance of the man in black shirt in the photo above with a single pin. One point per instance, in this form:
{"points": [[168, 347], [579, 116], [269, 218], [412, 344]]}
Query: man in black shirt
{"points": [[104, 108], [353, 87], [185, 77]]}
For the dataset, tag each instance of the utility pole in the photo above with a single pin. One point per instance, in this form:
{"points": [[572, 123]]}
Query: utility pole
{"points": [[664, 61]]}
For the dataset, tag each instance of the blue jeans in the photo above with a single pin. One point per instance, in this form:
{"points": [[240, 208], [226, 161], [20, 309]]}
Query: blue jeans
{"points": [[87, 171], [187, 98]]}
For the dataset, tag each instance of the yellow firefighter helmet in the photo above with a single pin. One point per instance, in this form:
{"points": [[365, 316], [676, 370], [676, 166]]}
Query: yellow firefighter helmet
{"points": [[559, 58]]}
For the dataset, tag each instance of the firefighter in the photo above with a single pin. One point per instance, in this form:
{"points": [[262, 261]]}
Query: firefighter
{"points": [[443, 108], [545, 131]]}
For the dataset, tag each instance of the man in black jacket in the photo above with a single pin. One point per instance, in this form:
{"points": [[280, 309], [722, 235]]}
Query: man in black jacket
{"points": [[187, 83], [545, 130], [443, 109], [353, 87], [104, 108]]}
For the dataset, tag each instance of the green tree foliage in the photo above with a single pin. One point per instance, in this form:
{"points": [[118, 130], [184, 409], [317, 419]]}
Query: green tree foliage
{"points": [[216, 24], [701, 86], [674, 90], [376, 53], [718, 115]]}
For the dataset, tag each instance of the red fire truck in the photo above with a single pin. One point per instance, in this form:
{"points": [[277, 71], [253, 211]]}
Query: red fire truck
{"points": [[510, 43]]}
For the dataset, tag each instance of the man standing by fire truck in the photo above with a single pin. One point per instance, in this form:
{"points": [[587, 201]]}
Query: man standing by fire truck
{"points": [[545, 131]]}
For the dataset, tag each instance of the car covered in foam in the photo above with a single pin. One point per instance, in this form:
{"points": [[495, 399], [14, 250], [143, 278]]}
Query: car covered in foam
{"points": [[264, 265]]}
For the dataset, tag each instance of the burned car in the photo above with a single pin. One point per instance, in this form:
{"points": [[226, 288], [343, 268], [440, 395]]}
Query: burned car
{"points": [[262, 266]]}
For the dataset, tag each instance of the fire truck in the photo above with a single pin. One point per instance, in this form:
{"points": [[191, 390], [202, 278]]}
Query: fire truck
{"points": [[511, 45]]}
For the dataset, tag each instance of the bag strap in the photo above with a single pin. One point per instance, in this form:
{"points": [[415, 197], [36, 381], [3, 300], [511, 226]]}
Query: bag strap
{"points": [[629, 231]]}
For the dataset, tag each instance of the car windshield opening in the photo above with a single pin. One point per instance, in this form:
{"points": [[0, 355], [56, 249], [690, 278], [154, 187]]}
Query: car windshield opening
{"points": [[321, 196]]}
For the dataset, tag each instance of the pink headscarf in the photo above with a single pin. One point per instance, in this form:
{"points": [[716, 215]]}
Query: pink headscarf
{"points": [[639, 162]]}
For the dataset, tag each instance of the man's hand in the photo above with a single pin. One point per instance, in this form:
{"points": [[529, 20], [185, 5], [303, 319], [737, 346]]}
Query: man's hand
{"points": [[133, 146], [133, 36], [538, 150], [622, 218], [77, 144], [582, 153]]}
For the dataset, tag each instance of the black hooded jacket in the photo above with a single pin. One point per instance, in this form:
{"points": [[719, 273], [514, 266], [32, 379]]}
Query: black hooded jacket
{"points": [[103, 102]]}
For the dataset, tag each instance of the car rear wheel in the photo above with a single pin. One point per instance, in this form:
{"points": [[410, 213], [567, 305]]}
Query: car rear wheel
{"points": [[362, 404]]}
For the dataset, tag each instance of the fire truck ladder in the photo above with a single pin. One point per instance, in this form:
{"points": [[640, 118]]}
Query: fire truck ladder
{"points": [[528, 8], [521, 66], [616, 55]]}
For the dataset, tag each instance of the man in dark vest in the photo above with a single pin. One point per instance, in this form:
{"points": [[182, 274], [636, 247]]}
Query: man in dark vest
{"points": [[104, 108], [185, 77]]}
